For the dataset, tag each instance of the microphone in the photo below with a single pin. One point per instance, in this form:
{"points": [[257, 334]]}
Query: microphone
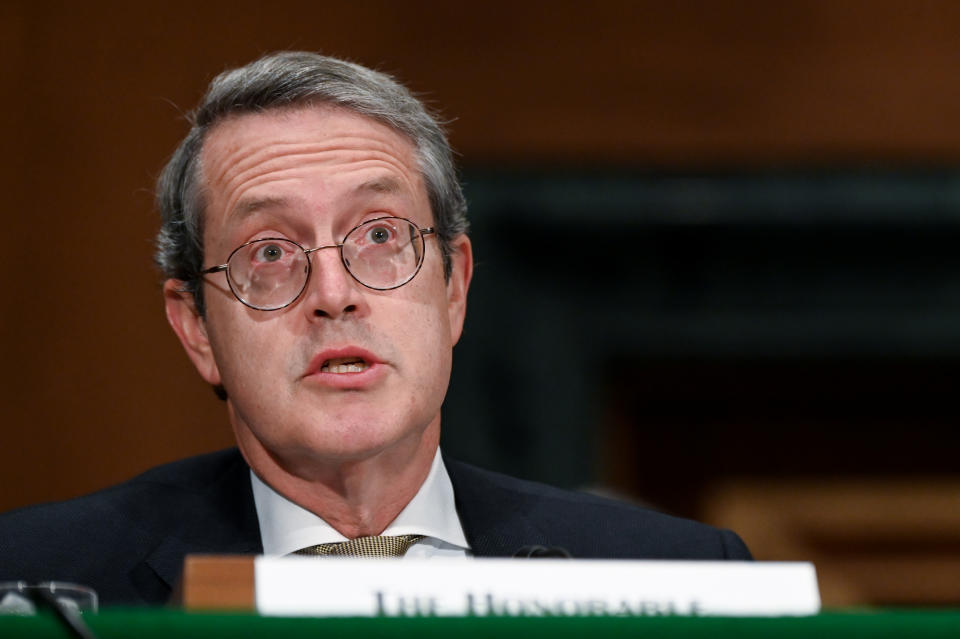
{"points": [[546, 552], [68, 615]]}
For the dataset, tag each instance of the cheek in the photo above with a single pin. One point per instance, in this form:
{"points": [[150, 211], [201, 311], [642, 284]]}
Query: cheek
{"points": [[423, 319], [432, 346], [245, 356]]}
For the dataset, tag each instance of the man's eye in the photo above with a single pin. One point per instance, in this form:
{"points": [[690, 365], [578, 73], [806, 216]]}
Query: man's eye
{"points": [[269, 253], [380, 234]]}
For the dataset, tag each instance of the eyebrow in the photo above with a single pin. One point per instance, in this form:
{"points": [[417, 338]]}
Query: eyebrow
{"points": [[387, 185], [245, 208]]}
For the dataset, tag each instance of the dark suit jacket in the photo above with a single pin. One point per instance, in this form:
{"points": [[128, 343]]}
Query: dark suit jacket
{"points": [[128, 542]]}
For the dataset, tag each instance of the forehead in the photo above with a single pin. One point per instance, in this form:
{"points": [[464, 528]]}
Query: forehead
{"points": [[290, 124], [258, 156]]}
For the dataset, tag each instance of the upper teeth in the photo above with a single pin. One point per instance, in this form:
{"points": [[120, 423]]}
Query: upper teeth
{"points": [[344, 365]]}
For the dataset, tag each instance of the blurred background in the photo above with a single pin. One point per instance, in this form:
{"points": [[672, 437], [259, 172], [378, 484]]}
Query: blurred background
{"points": [[716, 243]]}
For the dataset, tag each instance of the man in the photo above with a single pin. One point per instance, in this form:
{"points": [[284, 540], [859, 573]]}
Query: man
{"points": [[317, 270]]}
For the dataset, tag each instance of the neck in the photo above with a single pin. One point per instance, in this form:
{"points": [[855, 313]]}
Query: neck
{"points": [[359, 495]]}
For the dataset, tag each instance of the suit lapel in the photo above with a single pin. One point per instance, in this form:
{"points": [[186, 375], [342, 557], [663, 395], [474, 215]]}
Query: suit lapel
{"points": [[221, 519], [491, 513]]}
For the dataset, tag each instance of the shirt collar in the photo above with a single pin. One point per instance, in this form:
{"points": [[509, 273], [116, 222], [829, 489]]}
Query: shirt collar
{"points": [[286, 527]]}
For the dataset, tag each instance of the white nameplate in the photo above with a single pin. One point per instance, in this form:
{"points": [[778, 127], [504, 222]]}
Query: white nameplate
{"points": [[342, 587]]}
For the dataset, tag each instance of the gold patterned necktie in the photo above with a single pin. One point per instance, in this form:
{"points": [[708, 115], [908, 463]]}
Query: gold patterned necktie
{"points": [[363, 547]]}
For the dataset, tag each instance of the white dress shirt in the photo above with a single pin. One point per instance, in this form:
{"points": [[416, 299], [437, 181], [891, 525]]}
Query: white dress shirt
{"points": [[286, 527]]}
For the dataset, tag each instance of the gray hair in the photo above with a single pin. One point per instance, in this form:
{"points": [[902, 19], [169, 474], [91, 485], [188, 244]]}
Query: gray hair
{"points": [[291, 79]]}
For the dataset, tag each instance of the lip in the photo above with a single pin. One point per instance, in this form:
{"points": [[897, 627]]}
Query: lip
{"points": [[356, 381]]}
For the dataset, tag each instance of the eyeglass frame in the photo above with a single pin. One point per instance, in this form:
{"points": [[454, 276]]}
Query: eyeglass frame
{"points": [[225, 267]]}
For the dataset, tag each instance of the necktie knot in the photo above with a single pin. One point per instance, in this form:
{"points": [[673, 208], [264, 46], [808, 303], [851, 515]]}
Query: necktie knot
{"points": [[378, 546]]}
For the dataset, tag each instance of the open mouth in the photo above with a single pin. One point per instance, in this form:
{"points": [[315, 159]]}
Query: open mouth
{"points": [[345, 365]]}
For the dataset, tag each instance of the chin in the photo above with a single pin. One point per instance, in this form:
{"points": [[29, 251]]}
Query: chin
{"points": [[352, 443]]}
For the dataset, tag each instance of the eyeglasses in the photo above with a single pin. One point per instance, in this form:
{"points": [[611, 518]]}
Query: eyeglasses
{"points": [[271, 273]]}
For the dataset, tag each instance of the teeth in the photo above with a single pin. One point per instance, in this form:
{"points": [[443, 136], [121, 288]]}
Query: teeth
{"points": [[344, 365], [346, 368]]}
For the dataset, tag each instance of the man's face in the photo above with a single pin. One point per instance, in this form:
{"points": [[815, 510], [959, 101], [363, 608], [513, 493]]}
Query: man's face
{"points": [[311, 175]]}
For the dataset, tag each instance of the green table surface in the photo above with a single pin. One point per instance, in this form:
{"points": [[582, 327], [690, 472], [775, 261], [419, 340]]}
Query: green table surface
{"points": [[149, 623]]}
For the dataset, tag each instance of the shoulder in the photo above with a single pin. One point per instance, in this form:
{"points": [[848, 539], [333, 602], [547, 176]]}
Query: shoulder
{"points": [[118, 522], [586, 525]]}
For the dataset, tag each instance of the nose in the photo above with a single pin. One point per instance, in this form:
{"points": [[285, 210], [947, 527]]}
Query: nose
{"points": [[331, 291]]}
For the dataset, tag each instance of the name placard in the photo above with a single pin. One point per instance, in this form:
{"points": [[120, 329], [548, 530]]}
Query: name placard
{"points": [[341, 587]]}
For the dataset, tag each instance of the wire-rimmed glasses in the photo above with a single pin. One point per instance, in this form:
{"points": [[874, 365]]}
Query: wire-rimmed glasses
{"points": [[271, 273]]}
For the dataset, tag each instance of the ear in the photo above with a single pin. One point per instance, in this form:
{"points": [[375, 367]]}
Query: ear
{"points": [[191, 329], [461, 262]]}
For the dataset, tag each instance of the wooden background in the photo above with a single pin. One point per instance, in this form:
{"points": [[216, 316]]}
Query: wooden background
{"points": [[94, 386]]}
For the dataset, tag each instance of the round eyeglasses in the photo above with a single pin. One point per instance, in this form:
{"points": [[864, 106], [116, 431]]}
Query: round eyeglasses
{"points": [[271, 273]]}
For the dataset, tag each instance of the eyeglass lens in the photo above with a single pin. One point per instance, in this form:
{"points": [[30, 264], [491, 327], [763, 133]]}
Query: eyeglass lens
{"points": [[271, 273]]}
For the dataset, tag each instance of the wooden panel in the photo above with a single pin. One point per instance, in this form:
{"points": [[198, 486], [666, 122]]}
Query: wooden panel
{"points": [[882, 542], [218, 582]]}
